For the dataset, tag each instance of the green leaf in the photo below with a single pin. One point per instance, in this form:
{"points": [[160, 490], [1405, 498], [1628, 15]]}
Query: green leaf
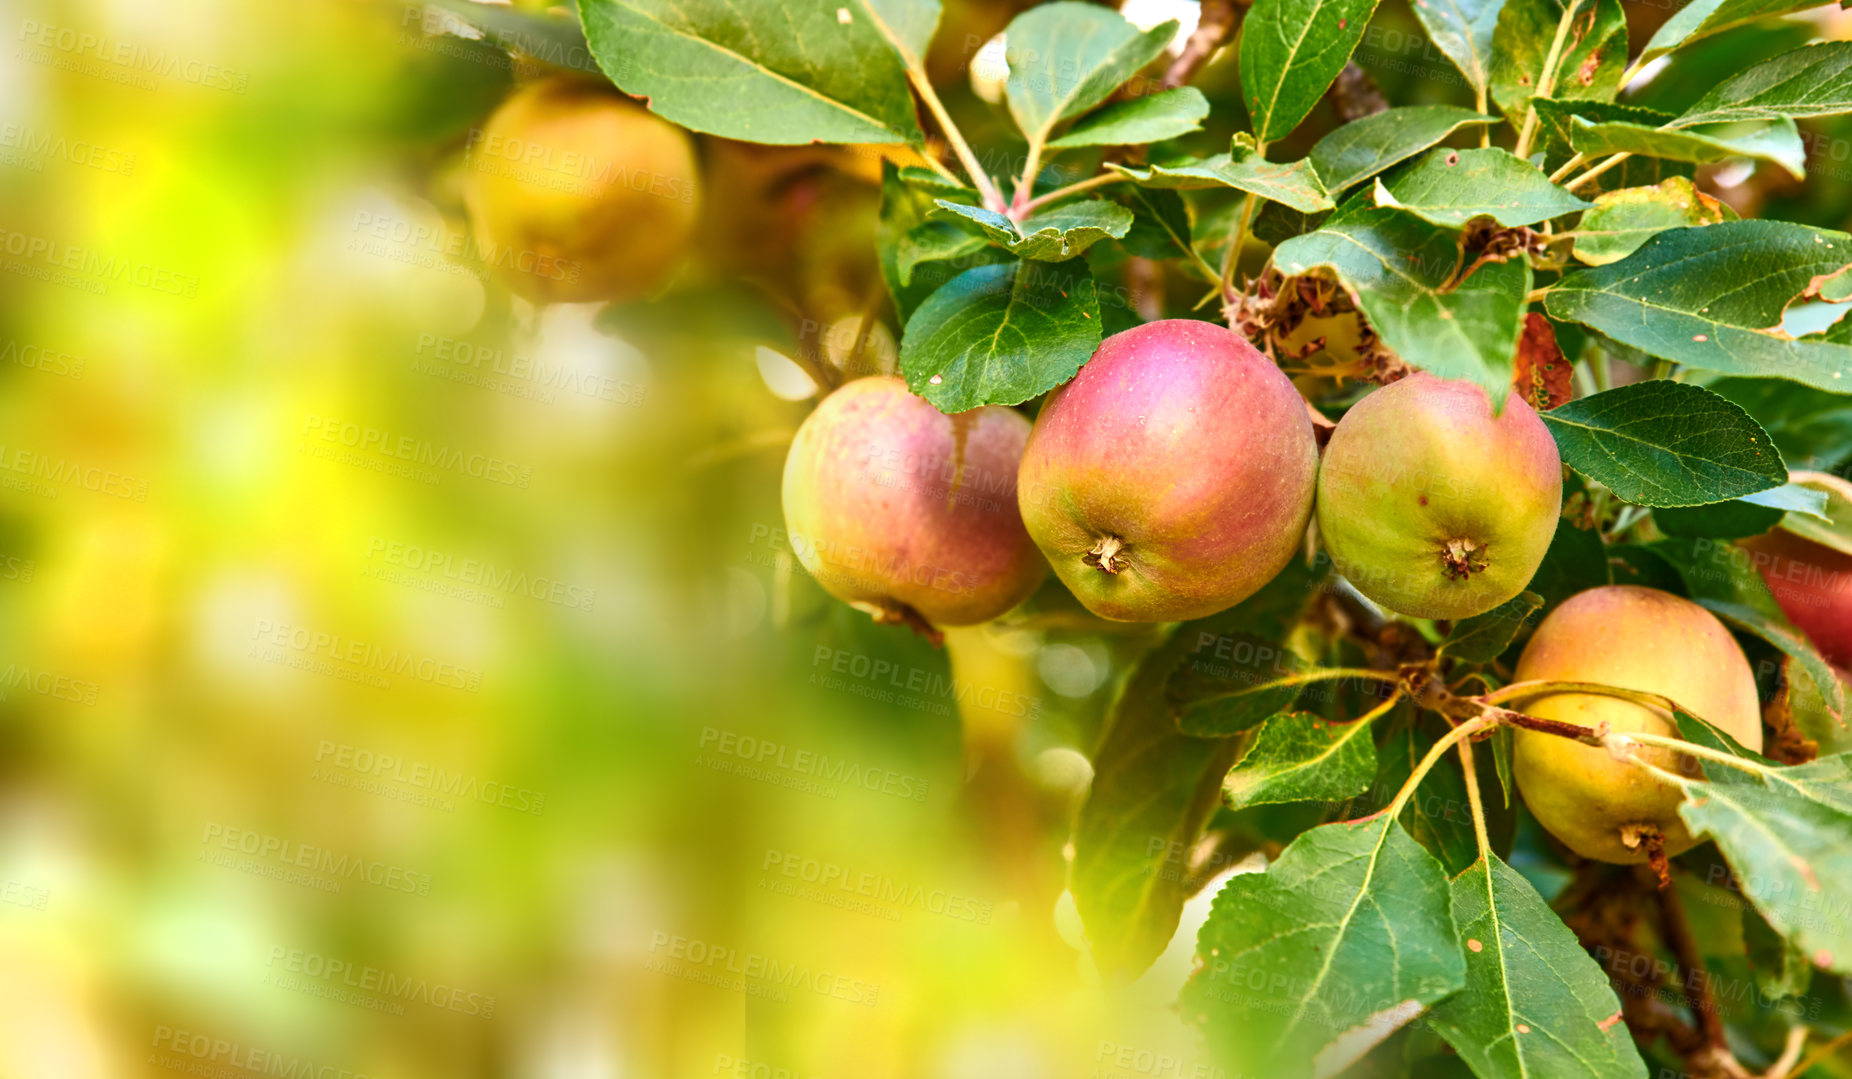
{"points": [[1535, 1002], [1160, 224], [1722, 520], [1055, 234], [1153, 792], [1831, 526], [1554, 117], [1787, 853], [1295, 183], [763, 70], [1142, 119], [1231, 678], [1065, 58], [1589, 67], [1484, 637], [1438, 816], [1812, 428], [1778, 141], [934, 241], [1299, 757], [1291, 50], [1713, 298], [1665, 443], [1780, 968], [1362, 148], [1623, 220], [1451, 187], [1346, 938], [932, 182], [552, 39], [1721, 578], [1463, 29], [1502, 750], [1396, 267], [1702, 18], [1812, 81], [999, 335], [1576, 561]]}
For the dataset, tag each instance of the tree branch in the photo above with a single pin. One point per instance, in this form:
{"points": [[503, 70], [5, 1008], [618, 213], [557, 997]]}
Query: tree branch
{"points": [[1217, 24]]}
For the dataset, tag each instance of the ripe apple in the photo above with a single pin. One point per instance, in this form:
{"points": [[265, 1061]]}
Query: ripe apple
{"points": [[577, 193], [1173, 476], [903, 511], [1432, 506], [1811, 581], [1632, 638]]}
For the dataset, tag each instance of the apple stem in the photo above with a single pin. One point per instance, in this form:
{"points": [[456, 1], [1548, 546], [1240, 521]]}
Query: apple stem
{"points": [[1104, 554]]}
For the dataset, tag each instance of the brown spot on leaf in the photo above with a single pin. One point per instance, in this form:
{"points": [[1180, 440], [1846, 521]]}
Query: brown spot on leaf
{"points": [[1523, 1028], [1608, 1023], [1823, 959], [1453, 159], [1473, 944], [1541, 375], [1586, 73]]}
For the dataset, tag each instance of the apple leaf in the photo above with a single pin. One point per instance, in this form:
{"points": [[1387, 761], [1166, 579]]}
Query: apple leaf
{"points": [[1750, 515], [1154, 788], [1542, 375], [1295, 184], [1720, 577], [1589, 67], [1777, 140], [1451, 187], [1780, 967], [1067, 57], [1814, 80], [1463, 30], [1702, 18], [1055, 234], [1142, 119], [1786, 851], [1665, 443], [1535, 1002], [1713, 298], [1484, 637], [1812, 427], [763, 71], [558, 40], [1555, 117], [1397, 268], [1240, 674], [1623, 220], [1291, 50], [1160, 224], [1153, 792], [1346, 938], [1362, 148], [999, 335], [1831, 526], [1576, 561], [1299, 757], [934, 241]]}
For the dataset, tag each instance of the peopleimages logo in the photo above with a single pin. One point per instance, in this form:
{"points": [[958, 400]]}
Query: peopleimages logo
{"points": [[367, 979]]}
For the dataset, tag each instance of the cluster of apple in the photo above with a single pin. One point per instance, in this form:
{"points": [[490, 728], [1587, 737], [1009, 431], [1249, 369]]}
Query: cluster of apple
{"points": [[1176, 474], [1170, 479]]}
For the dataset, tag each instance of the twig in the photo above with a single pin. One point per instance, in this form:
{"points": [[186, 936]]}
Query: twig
{"points": [[1235, 239], [1216, 24], [1819, 1054], [979, 178], [1058, 193], [1694, 979], [1596, 171], [1569, 166], [1790, 1052]]}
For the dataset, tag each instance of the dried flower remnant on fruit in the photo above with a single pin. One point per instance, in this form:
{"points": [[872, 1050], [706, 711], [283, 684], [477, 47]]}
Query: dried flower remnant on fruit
{"points": [[1105, 554], [1463, 558]]}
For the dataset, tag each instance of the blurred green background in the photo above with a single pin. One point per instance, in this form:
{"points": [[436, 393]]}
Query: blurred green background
{"points": [[398, 680]]}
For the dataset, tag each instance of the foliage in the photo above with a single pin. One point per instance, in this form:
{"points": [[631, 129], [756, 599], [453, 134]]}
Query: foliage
{"points": [[1446, 228]]}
